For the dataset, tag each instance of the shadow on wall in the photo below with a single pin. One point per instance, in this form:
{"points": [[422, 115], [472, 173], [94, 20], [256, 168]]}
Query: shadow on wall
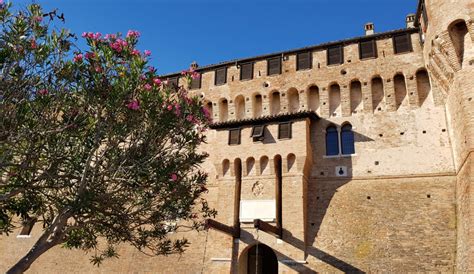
{"points": [[314, 219]]}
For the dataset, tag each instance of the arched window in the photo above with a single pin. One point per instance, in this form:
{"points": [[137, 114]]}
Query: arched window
{"points": [[223, 110], [332, 141], [239, 107], [275, 103], [257, 105], [347, 140]]}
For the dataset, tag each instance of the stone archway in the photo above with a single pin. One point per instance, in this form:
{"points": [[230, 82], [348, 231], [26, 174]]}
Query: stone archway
{"points": [[258, 260]]}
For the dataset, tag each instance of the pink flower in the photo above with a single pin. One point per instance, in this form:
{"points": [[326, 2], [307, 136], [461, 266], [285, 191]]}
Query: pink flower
{"points": [[98, 69], [84, 34], [147, 52], [206, 112], [42, 92], [195, 75], [135, 52], [142, 77], [78, 58], [97, 35], [157, 81], [151, 69], [33, 44], [190, 118], [111, 36], [133, 34], [90, 55], [173, 177], [133, 105], [147, 87], [184, 72], [177, 110], [170, 107], [38, 19]]}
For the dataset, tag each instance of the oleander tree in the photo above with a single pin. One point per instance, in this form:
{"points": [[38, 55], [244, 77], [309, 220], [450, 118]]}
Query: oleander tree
{"points": [[93, 144]]}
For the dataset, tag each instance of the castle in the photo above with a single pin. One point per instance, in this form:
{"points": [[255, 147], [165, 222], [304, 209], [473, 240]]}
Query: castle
{"points": [[350, 156]]}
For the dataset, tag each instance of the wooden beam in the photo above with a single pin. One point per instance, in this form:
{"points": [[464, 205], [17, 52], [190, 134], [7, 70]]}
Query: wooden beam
{"points": [[229, 230], [264, 226]]}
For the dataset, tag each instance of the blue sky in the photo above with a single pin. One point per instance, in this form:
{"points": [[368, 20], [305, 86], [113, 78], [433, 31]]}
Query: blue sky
{"points": [[210, 31]]}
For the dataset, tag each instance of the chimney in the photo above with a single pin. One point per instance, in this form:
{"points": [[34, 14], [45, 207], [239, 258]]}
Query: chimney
{"points": [[194, 65], [410, 20], [369, 28]]}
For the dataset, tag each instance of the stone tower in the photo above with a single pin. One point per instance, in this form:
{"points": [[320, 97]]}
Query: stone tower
{"points": [[447, 28]]}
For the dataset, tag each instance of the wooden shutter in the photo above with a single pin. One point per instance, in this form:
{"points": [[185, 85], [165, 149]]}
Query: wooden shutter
{"points": [[196, 83], [274, 66], [257, 131], [246, 71], [402, 43], [220, 76], [284, 131], [173, 82], [335, 55], [234, 136], [367, 49], [303, 61]]}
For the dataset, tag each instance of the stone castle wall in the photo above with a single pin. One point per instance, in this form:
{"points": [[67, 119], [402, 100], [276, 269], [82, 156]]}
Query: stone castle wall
{"points": [[405, 203]]}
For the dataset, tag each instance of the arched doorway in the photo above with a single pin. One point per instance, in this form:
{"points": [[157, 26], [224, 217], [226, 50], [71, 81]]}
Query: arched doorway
{"points": [[261, 260]]}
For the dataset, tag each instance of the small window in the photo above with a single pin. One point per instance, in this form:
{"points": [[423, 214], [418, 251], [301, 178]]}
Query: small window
{"points": [[335, 55], [284, 131], [332, 141], [303, 61], [347, 140], [220, 76], [258, 133], [274, 66], [367, 49], [246, 71], [234, 136], [402, 43], [173, 82], [196, 83]]}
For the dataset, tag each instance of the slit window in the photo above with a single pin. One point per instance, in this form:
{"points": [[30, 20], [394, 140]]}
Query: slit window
{"points": [[332, 141], [246, 71], [220, 76], [234, 136], [424, 15], [402, 43], [367, 49], [284, 130], [274, 66], [303, 61], [196, 83], [258, 133], [335, 55], [347, 140]]}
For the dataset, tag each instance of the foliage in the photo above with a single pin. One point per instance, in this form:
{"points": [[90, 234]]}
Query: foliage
{"points": [[97, 148]]}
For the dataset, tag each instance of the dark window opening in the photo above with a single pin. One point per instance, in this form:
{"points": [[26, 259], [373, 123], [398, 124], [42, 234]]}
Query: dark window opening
{"points": [[274, 66], [234, 136], [335, 55], [258, 133], [246, 71], [347, 140], [332, 141], [220, 76], [303, 61], [173, 82], [424, 15], [368, 49], [196, 83], [284, 131], [402, 43]]}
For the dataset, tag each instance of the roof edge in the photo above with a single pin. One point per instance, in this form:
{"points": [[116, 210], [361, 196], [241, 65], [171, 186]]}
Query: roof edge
{"points": [[283, 117], [353, 40]]}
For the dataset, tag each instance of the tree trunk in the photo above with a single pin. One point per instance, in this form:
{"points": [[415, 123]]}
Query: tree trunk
{"points": [[52, 236], [35, 252]]}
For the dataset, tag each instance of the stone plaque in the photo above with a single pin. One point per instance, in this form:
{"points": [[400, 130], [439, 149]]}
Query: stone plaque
{"points": [[257, 209]]}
